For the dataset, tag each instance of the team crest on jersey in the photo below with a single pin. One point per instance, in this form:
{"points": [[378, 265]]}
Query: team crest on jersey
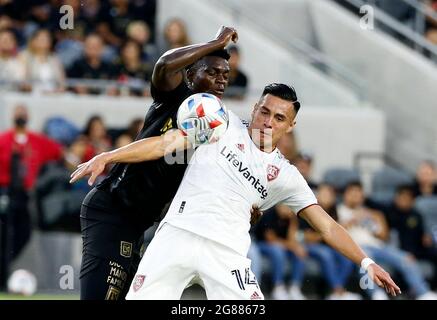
{"points": [[272, 172], [240, 146], [138, 282], [113, 293], [125, 249]]}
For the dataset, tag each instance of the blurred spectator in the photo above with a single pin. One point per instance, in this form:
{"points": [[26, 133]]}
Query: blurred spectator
{"points": [[139, 31], [97, 137], [409, 224], [130, 134], [276, 238], [122, 141], [135, 127], [42, 15], [145, 10], [431, 23], [44, 71], [87, 13], [32, 149], [22, 154], [91, 65], [175, 34], [288, 146], [132, 71], [12, 71], [238, 82], [303, 163], [426, 179], [369, 229], [114, 22], [57, 201], [69, 46]]}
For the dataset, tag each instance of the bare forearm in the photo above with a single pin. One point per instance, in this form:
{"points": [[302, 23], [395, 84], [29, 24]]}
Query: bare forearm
{"points": [[177, 59], [148, 149], [339, 239], [138, 151], [332, 233]]}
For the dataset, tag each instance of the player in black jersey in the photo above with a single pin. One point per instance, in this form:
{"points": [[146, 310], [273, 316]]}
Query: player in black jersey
{"points": [[118, 210]]}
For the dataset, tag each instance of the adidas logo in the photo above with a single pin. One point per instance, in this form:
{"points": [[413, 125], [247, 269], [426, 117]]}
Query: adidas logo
{"points": [[255, 296]]}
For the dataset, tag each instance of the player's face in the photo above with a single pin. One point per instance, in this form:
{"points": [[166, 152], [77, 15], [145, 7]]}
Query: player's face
{"points": [[211, 76], [272, 117]]}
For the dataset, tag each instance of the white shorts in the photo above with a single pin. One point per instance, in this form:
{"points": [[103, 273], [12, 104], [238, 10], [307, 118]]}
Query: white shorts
{"points": [[176, 258]]}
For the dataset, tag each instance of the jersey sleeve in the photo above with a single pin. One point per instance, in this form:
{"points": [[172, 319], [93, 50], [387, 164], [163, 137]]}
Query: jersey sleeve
{"points": [[299, 194], [169, 97]]}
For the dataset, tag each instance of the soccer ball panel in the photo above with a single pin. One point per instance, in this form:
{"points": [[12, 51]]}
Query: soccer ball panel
{"points": [[203, 118]]}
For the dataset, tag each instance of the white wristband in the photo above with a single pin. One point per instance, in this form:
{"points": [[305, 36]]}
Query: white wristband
{"points": [[366, 262]]}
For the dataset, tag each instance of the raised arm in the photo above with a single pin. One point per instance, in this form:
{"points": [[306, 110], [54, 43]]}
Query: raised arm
{"points": [[142, 150], [338, 238], [168, 74]]}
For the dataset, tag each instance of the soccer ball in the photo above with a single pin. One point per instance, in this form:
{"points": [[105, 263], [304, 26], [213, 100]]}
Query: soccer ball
{"points": [[22, 282], [203, 118]]}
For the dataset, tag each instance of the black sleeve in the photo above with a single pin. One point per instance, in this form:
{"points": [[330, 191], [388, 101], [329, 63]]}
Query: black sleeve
{"points": [[169, 96]]}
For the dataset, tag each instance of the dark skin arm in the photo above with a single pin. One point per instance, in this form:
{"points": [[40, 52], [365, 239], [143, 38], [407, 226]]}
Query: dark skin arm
{"points": [[167, 74]]}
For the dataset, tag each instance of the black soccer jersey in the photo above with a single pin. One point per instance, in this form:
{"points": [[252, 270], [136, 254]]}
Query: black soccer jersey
{"points": [[144, 188]]}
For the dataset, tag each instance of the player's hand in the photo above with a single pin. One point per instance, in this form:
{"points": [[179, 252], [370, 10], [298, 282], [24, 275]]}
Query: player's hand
{"points": [[382, 279], [255, 214], [226, 34], [93, 167]]}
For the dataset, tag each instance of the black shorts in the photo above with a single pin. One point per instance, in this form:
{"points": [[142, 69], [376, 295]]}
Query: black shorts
{"points": [[111, 249]]}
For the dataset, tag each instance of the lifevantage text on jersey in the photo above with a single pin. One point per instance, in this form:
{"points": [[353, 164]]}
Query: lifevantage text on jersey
{"points": [[232, 158]]}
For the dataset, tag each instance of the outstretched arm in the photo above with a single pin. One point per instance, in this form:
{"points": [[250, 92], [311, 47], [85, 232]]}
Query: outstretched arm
{"points": [[142, 150], [338, 238], [167, 74]]}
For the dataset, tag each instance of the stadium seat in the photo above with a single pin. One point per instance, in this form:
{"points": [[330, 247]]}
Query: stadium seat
{"points": [[341, 177], [382, 198], [387, 179]]}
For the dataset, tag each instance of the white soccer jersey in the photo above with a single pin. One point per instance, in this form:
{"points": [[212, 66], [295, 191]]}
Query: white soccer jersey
{"points": [[222, 182]]}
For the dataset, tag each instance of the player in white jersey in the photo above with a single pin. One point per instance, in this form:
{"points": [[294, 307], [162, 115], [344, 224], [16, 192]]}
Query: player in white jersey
{"points": [[204, 237]]}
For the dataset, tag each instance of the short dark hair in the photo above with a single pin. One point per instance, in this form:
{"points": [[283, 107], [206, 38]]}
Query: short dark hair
{"points": [[221, 53], [352, 184], [283, 91], [233, 49], [405, 188]]}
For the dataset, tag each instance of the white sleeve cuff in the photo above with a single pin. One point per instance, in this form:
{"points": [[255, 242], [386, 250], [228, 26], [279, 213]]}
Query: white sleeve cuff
{"points": [[366, 262]]}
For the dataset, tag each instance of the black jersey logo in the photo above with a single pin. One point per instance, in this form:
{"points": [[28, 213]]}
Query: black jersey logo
{"points": [[113, 293], [126, 249], [167, 126], [181, 208]]}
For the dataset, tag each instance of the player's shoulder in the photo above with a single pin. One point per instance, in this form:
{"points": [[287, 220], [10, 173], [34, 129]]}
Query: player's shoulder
{"points": [[236, 120], [283, 163]]}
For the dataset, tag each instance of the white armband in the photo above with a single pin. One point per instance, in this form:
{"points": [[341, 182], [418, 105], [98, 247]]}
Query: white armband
{"points": [[366, 262]]}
